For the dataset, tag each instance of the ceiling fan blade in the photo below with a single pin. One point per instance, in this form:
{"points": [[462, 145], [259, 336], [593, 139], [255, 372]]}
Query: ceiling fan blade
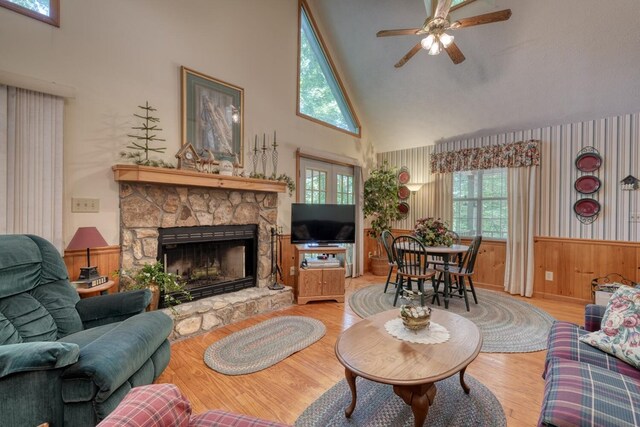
{"points": [[442, 10], [409, 55], [403, 32], [487, 18], [455, 53]]}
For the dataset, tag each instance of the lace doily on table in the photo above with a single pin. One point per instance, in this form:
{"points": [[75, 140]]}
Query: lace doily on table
{"points": [[434, 334]]}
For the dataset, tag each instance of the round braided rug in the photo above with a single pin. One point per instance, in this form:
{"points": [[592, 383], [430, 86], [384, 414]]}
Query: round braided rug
{"points": [[508, 325], [263, 345], [378, 406]]}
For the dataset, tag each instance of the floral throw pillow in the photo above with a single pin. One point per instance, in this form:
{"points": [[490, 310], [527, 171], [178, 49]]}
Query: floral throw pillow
{"points": [[619, 333]]}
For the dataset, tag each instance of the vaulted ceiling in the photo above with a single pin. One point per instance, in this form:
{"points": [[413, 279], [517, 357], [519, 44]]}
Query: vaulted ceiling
{"points": [[553, 62]]}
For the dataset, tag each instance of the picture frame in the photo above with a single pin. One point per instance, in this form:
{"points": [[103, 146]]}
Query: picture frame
{"points": [[212, 115]]}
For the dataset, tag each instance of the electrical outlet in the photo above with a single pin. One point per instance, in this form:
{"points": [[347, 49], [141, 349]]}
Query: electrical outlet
{"points": [[85, 205], [292, 271], [634, 217], [548, 276]]}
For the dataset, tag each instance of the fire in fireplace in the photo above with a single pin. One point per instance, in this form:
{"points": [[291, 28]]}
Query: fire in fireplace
{"points": [[212, 260]]}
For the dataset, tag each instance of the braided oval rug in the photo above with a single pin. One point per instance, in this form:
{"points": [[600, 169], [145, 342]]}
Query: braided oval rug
{"points": [[265, 344], [508, 325], [378, 406]]}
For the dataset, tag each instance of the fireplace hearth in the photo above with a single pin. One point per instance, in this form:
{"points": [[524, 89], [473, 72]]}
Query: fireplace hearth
{"points": [[212, 260]]}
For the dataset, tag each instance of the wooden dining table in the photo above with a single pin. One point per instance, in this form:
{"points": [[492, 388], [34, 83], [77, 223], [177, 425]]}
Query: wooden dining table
{"points": [[446, 252]]}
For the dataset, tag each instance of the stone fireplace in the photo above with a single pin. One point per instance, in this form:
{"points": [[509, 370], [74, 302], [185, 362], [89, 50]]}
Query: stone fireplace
{"points": [[212, 230], [147, 210]]}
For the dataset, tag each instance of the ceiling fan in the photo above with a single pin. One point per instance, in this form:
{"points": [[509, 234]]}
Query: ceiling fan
{"points": [[435, 29]]}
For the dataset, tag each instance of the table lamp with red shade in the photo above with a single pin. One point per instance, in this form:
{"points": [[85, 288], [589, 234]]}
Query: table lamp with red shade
{"points": [[87, 238]]}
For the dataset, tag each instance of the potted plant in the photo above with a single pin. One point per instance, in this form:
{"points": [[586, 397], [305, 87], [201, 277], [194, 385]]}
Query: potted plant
{"points": [[381, 204], [161, 283]]}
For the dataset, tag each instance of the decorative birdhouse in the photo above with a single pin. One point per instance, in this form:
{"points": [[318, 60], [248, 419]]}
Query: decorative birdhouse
{"points": [[630, 183], [187, 157]]}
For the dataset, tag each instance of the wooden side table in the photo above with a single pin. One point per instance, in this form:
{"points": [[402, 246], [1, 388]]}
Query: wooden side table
{"points": [[91, 292]]}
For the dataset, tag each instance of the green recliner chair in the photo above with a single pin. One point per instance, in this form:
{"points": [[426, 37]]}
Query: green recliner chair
{"points": [[65, 360]]}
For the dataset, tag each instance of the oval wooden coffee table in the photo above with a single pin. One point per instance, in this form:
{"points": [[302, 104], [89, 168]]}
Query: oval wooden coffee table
{"points": [[367, 350]]}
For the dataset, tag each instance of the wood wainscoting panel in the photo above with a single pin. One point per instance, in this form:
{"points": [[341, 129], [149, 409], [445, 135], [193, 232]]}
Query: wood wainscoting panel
{"points": [[490, 263], [107, 259], [576, 262], [286, 259]]}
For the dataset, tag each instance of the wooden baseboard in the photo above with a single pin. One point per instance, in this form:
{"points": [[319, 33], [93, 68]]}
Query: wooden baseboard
{"points": [[562, 298]]}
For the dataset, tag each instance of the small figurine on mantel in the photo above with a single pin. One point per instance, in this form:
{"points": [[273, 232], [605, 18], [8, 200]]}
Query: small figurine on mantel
{"points": [[207, 161], [187, 157]]}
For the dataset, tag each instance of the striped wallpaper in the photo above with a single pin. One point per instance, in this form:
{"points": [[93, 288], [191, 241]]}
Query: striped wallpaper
{"points": [[421, 203], [616, 138]]}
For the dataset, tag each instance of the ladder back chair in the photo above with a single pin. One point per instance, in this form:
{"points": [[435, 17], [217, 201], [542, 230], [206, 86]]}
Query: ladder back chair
{"points": [[386, 238], [411, 257], [435, 260], [462, 273]]}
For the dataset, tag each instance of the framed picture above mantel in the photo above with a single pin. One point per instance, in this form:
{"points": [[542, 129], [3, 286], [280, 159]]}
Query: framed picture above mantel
{"points": [[212, 116]]}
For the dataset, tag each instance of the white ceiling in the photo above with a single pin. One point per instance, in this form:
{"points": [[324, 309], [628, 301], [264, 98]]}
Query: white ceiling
{"points": [[553, 62]]}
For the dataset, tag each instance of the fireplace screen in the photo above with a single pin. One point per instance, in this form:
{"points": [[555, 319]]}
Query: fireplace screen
{"points": [[211, 260]]}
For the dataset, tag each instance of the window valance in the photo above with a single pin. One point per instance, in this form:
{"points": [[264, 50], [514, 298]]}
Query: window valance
{"points": [[514, 155]]}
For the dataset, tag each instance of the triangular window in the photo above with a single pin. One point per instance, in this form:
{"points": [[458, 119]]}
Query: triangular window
{"points": [[321, 96]]}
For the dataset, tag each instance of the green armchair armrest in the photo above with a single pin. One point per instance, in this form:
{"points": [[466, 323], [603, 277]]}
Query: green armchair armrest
{"points": [[110, 360], [36, 356], [105, 309]]}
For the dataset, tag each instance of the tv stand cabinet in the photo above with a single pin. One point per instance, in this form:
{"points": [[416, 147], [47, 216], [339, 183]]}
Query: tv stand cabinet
{"points": [[318, 283]]}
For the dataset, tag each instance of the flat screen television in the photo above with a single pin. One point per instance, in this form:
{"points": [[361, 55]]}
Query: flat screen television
{"points": [[323, 224]]}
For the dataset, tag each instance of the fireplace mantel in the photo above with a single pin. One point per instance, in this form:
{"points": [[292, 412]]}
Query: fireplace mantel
{"points": [[148, 174]]}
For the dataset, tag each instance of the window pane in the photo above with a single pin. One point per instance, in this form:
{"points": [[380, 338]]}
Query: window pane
{"points": [[315, 186], [40, 6], [480, 203], [320, 95], [465, 217]]}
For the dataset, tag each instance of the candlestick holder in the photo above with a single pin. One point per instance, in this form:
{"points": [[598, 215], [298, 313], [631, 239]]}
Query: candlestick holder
{"points": [[254, 156], [274, 158], [264, 157]]}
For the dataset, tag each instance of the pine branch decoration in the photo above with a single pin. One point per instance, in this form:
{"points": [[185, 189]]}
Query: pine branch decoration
{"points": [[142, 140]]}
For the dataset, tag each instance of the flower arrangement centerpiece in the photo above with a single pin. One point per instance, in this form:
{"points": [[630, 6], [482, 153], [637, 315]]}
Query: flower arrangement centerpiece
{"points": [[433, 232], [413, 317]]}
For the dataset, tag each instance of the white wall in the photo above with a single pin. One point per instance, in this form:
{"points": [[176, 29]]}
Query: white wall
{"points": [[117, 54]]}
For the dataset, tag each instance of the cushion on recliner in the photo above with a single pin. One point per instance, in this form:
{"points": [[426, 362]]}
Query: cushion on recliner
{"points": [[36, 301], [20, 264]]}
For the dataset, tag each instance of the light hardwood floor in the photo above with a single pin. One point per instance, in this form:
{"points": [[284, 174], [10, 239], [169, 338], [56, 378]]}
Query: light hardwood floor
{"points": [[283, 391]]}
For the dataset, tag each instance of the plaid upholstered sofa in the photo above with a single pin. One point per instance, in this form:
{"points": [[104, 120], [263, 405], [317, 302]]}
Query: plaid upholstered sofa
{"points": [[585, 386], [163, 405]]}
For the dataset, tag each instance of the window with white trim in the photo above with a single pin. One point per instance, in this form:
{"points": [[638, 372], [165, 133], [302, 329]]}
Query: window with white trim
{"points": [[480, 203], [321, 96]]}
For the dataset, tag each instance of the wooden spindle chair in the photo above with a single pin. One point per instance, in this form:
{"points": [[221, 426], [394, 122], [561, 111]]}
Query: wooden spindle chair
{"points": [[411, 257], [462, 273]]}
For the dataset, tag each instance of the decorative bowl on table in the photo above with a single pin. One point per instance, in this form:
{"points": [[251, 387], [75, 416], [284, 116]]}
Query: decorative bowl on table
{"points": [[415, 318]]}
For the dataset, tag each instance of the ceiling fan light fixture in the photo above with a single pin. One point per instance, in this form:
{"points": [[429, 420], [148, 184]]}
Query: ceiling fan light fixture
{"points": [[435, 48], [446, 40], [427, 42]]}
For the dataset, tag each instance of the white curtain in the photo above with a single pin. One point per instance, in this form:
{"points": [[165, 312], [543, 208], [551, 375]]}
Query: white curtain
{"points": [[444, 197], [518, 275], [31, 163], [358, 263]]}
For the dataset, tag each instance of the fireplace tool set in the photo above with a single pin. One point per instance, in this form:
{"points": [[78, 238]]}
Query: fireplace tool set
{"points": [[276, 259]]}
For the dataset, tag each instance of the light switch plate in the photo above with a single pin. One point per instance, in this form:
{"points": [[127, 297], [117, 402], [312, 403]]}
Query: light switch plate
{"points": [[81, 205]]}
